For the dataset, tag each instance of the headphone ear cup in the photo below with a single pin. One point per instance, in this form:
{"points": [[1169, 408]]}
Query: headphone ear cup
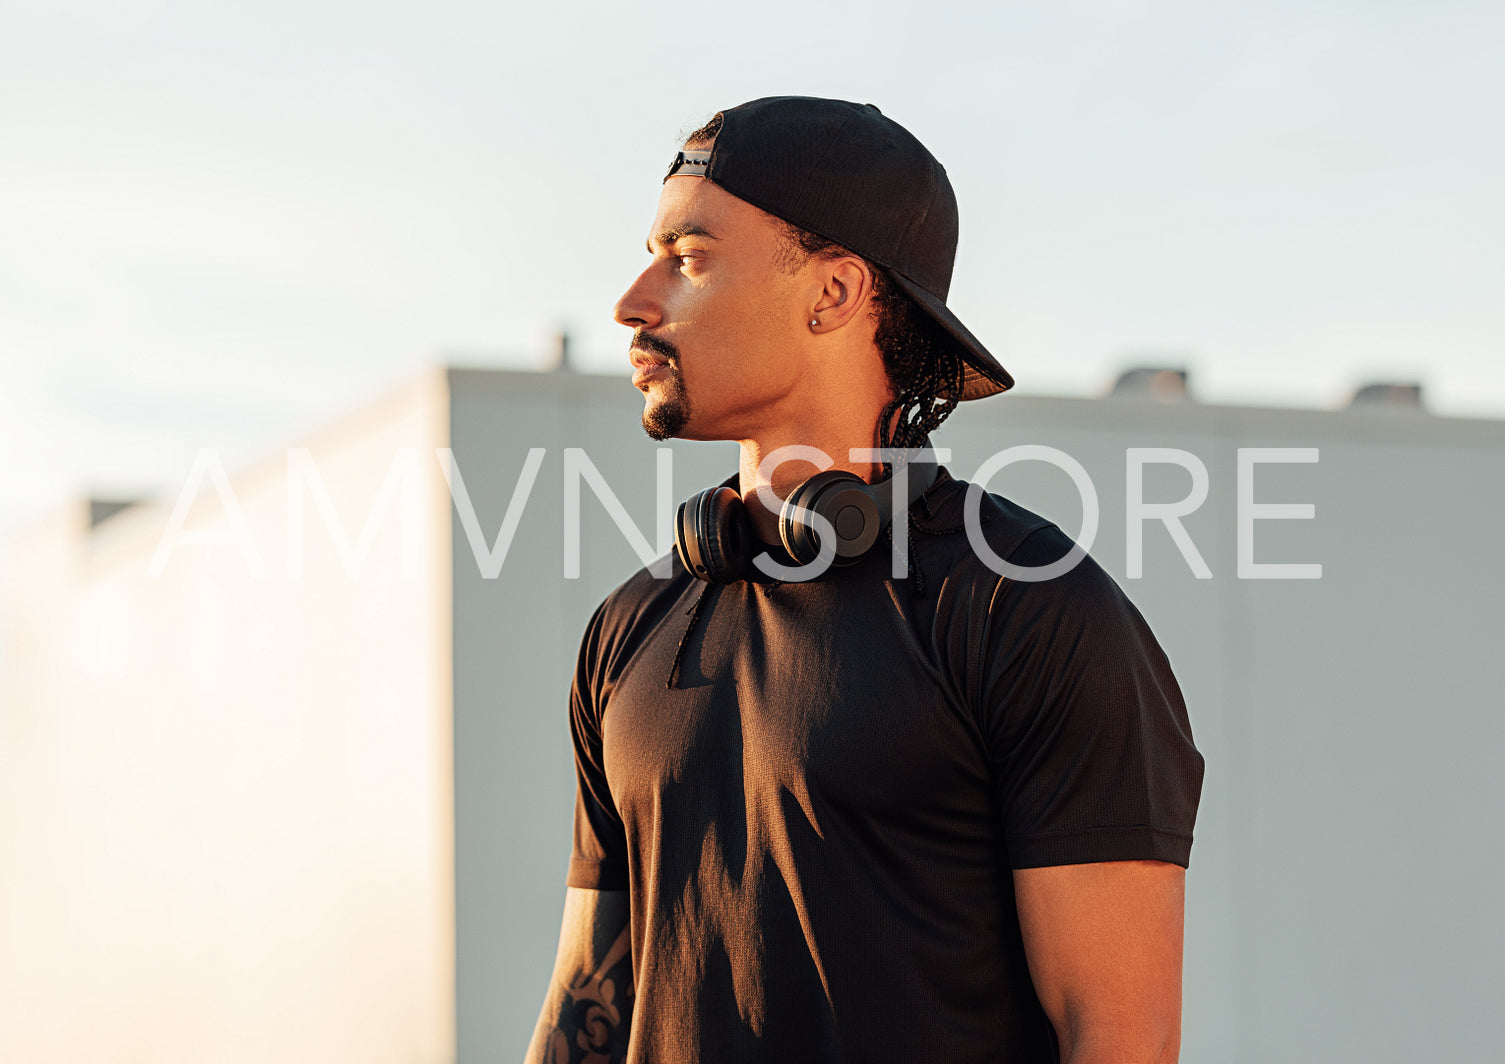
{"points": [[713, 535], [801, 539]]}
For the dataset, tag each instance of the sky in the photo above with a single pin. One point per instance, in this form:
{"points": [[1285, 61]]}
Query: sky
{"points": [[222, 225]]}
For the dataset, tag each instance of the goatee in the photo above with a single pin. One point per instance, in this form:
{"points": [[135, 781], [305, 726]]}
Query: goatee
{"points": [[667, 418]]}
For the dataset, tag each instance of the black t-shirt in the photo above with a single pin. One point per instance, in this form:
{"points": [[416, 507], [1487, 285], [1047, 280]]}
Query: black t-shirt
{"points": [[815, 792]]}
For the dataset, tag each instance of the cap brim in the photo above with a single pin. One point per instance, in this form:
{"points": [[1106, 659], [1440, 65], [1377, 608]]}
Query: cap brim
{"points": [[985, 376]]}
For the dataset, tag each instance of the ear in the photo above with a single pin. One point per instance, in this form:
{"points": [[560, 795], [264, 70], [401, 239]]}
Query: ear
{"points": [[846, 287]]}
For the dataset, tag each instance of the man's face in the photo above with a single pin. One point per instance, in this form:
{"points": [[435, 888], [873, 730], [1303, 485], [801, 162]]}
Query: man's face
{"points": [[718, 327]]}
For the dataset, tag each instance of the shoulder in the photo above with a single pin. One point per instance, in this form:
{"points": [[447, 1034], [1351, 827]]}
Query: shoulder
{"points": [[1024, 579], [966, 529], [634, 609]]}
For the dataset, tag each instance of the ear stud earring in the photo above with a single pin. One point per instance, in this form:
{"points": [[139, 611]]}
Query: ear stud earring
{"points": [[814, 322]]}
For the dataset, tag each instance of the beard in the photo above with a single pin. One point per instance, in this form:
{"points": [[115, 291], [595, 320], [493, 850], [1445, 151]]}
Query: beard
{"points": [[667, 418]]}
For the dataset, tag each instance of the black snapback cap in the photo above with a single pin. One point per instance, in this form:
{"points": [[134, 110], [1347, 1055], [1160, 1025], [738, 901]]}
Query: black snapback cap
{"points": [[846, 172]]}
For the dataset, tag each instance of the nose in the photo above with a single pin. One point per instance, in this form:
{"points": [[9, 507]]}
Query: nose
{"points": [[639, 307]]}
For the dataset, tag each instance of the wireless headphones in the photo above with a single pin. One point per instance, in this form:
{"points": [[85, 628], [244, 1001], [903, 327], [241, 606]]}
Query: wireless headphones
{"points": [[714, 537]]}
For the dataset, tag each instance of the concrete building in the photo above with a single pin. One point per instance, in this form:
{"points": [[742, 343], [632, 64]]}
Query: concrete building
{"points": [[302, 792]]}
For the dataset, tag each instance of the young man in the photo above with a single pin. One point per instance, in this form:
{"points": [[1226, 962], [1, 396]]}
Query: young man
{"points": [[832, 813]]}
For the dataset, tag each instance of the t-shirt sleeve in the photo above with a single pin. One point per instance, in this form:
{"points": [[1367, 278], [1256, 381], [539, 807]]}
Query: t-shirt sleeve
{"points": [[598, 856], [1085, 724]]}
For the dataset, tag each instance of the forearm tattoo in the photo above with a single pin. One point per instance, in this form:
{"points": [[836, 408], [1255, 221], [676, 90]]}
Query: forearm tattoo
{"points": [[595, 1012]]}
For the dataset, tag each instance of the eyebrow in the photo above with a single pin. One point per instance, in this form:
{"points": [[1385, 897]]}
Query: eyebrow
{"points": [[669, 236]]}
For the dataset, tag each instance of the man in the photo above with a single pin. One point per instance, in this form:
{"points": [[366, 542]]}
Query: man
{"points": [[827, 812]]}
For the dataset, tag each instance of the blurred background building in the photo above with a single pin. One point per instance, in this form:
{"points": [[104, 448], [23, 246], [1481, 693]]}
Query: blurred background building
{"points": [[303, 792]]}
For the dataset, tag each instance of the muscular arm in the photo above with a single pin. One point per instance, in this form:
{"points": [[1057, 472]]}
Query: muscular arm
{"points": [[1104, 948], [588, 1009]]}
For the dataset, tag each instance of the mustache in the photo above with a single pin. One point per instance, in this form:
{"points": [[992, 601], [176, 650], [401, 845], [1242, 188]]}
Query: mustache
{"points": [[642, 341]]}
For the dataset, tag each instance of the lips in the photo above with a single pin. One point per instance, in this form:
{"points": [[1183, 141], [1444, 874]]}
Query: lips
{"points": [[652, 359], [646, 369]]}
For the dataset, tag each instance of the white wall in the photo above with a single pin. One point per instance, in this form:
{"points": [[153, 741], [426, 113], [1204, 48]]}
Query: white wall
{"points": [[224, 801]]}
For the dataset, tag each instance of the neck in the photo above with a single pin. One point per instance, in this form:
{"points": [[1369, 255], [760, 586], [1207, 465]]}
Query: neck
{"points": [[763, 467]]}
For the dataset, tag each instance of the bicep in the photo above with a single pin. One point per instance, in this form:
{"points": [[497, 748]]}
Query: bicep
{"points": [[1104, 945]]}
